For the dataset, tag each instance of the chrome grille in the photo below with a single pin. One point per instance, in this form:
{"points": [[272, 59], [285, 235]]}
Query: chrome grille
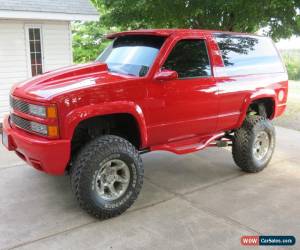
{"points": [[20, 122], [19, 105]]}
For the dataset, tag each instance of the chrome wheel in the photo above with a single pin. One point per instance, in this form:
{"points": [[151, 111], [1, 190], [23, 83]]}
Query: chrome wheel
{"points": [[112, 180], [261, 145]]}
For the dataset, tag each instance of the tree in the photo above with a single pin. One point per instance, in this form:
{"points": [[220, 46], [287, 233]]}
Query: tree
{"points": [[89, 37], [280, 17], [88, 40]]}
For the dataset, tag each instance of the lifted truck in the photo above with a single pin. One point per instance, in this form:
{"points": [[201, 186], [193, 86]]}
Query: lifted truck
{"points": [[173, 90]]}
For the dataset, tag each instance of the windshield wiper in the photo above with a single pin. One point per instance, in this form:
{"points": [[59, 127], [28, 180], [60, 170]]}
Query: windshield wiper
{"points": [[121, 72]]}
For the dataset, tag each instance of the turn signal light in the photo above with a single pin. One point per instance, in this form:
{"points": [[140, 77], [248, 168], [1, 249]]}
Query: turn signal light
{"points": [[53, 131], [51, 112]]}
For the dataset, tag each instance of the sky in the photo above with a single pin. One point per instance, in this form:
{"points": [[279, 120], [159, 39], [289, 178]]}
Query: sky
{"points": [[292, 43]]}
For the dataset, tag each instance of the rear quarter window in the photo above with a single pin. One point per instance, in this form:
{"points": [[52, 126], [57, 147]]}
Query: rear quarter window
{"points": [[243, 55]]}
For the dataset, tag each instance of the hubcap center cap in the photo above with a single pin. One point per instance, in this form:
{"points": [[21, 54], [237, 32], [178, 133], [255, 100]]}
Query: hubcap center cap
{"points": [[112, 179], [261, 145]]}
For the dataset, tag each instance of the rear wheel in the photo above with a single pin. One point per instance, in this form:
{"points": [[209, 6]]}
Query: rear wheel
{"points": [[107, 176], [254, 144]]}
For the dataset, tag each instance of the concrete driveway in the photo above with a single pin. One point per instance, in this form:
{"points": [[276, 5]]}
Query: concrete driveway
{"points": [[195, 201]]}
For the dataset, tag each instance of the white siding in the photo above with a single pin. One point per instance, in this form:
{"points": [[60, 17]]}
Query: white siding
{"points": [[14, 61], [57, 45]]}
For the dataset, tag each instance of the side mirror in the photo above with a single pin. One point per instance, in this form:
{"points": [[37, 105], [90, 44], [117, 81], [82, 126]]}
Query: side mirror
{"points": [[165, 75]]}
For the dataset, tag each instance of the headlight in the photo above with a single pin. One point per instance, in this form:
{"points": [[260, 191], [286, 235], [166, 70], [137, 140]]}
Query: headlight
{"points": [[39, 128], [48, 126], [51, 131], [42, 111], [37, 110]]}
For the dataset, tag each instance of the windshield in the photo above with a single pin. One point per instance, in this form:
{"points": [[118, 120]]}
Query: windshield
{"points": [[132, 55]]}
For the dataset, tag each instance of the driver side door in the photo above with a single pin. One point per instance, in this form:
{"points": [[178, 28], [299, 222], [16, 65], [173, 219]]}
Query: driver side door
{"points": [[190, 102]]}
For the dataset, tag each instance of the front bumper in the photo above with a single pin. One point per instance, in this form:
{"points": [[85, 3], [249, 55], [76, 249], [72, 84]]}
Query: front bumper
{"points": [[50, 156]]}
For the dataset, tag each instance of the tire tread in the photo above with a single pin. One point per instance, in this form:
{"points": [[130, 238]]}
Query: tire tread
{"points": [[241, 148], [106, 144]]}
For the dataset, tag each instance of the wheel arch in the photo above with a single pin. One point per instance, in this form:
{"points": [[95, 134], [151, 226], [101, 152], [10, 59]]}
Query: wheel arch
{"points": [[267, 97], [82, 114]]}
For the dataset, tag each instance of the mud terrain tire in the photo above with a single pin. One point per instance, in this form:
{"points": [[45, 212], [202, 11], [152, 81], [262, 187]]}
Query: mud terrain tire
{"points": [[100, 170], [254, 144]]}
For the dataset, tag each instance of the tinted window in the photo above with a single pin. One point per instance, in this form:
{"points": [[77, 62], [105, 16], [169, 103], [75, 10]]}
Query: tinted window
{"points": [[189, 58], [132, 55], [248, 55]]}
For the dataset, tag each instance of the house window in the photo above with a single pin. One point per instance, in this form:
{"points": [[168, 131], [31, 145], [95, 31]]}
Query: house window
{"points": [[35, 51]]}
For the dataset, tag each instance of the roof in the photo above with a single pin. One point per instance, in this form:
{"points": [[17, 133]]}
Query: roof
{"points": [[67, 8], [169, 32], [154, 32]]}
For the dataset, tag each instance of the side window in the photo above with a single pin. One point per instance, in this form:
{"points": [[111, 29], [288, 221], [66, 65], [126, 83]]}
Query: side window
{"points": [[248, 54], [189, 58]]}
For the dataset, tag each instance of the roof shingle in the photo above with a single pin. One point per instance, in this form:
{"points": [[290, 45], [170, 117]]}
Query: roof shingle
{"points": [[83, 7]]}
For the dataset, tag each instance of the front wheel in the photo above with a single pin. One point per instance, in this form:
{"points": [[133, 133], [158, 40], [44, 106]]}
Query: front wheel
{"points": [[254, 144], [107, 176]]}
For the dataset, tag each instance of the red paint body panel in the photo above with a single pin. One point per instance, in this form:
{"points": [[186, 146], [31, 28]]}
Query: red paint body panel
{"points": [[51, 156], [177, 115]]}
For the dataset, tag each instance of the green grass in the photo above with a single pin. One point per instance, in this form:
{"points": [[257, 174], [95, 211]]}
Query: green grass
{"points": [[292, 62]]}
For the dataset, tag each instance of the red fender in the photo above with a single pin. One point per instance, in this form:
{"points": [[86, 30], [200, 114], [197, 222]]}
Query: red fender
{"points": [[258, 94], [83, 113]]}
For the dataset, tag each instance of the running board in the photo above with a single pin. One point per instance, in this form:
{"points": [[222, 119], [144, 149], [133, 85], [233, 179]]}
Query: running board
{"points": [[188, 145]]}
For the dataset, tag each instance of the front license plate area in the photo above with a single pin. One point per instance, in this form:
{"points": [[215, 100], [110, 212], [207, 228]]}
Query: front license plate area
{"points": [[5, 139]]}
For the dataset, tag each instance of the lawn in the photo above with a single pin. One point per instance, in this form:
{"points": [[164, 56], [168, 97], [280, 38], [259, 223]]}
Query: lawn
{"points": [[291, 117], [292, 62]]}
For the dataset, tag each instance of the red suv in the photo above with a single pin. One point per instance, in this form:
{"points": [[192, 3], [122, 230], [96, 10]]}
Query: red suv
{"points": [[173, 90]]}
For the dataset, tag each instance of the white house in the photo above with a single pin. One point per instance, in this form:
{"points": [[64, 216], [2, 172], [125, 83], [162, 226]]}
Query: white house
{"points": [[35, 37]]}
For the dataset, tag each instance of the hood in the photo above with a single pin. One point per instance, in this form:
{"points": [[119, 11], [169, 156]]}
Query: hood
{"points": [[64, 80]]}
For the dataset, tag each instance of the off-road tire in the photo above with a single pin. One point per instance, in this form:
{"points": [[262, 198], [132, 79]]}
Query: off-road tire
{"points": [[88, 162], [244, 140]]}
